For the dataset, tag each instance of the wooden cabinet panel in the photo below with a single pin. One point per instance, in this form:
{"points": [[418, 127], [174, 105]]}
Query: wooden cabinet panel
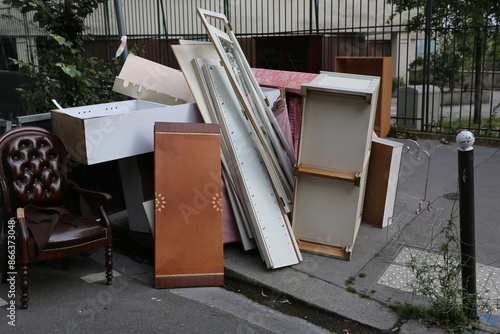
{"points": [[375, 66], [317, 202], [382, 182], [330, 126], [188, 205], [334, 150]]}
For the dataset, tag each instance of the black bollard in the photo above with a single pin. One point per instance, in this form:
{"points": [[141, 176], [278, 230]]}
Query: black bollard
{"points": [[465, 140]]}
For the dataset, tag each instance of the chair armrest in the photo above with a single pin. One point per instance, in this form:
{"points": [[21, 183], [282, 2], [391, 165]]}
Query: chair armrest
{"points": [[99, 196], [23, 235]]}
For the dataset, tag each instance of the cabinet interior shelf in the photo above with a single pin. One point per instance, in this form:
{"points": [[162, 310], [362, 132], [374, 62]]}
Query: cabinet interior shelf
{"points": [[348, 177]]}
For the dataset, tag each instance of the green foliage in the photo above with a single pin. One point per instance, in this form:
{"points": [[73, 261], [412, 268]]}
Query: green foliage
{"points": [[409, 311], [61, 71], [350, 280], [448, 15], [62, 18], [351, 289], [489, 128], [437, 278], [364, 295], [64, 74], [400, 131], [471, 23], [397, 82], [448, 61]]}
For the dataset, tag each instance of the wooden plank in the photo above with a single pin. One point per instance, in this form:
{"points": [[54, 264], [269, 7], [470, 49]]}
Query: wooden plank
{"points": [[342, 253], [382, 181], [234, 186], [328, 174], [185, 54], [325, 211], [188, 205], [328, 122], [257, 97], [253, 101], [375, 66], [271, 227], [191, 58]]}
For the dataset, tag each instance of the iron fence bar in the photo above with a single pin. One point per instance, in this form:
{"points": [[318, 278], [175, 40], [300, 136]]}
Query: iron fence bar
{"points": [[426, 69], [316, 15], [493, 108], [316, 9], [29, 45], [349, 27], [310, 16], [162, 21], [107, 30], [453, 75], [159, 9], [398, 61], [384, 27], [477, 76], [375, 31]]}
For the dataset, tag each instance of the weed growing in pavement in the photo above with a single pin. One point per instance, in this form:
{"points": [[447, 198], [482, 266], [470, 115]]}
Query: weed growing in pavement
{"points": [[351, 289], [350, 280], [400, 131], [437, 277]]}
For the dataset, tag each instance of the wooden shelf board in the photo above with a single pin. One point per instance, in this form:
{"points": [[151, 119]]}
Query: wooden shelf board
{"points": [[326, 250], [328, 174]]}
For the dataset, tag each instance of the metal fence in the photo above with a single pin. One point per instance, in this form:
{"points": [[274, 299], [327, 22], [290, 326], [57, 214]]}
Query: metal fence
{"points": [[441, 83]]}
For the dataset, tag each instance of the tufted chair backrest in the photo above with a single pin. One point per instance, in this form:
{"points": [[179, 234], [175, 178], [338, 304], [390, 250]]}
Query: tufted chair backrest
{"points": [[33, 168]]}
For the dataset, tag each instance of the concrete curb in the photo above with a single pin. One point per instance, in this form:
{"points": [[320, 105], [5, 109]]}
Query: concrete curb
{"points": [[309, 290]]}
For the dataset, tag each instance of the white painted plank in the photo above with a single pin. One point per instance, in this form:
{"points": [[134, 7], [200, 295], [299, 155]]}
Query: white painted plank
{"points": [[271, 226]]}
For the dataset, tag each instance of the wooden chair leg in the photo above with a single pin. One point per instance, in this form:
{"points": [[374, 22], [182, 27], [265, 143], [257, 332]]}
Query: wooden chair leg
{"points": [[109, 265], [24, 285]]}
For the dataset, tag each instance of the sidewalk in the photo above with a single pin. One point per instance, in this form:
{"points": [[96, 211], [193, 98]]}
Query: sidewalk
{"points": [[321, 281], [375, 270], [378, 268]]}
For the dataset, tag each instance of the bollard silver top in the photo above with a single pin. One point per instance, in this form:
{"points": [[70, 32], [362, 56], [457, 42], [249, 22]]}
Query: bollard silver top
{"points": [[465, 140]]}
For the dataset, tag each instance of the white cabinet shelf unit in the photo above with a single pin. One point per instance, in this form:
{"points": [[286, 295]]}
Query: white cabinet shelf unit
{"points": [[337, 126]]}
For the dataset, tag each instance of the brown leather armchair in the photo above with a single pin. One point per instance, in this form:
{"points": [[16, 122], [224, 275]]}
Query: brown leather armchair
{"points": [[49, 225]]}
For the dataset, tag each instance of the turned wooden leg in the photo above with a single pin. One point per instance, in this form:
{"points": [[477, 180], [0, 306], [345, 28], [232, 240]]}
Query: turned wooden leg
{"points": [[24, 285], [109, 265]]}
